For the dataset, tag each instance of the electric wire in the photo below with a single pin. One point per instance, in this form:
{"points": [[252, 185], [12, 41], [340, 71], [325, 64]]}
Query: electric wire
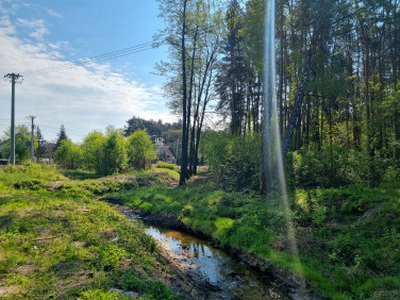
{"points": [[111, 55], [87, 61]]}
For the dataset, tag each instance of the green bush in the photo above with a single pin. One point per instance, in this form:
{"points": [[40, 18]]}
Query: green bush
{"points": [[331, 166], [234, 160], [334, 166], [141, 150], [113, 154], [92, 154], [104, 154], [68, 155]]}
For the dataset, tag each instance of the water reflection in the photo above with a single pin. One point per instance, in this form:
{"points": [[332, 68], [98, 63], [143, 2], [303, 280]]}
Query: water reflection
{"points": [[236, 279]]}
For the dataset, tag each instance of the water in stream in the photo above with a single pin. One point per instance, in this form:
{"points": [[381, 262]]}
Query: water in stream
{"points": [[235, 279]]}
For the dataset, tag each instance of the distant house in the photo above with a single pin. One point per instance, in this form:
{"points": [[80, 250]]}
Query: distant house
{"points": [[165, 153], [159, 141]]}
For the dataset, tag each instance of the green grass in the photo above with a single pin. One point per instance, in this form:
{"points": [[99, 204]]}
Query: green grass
{"points": [[164, 165], [58, 241], [348, 239]]}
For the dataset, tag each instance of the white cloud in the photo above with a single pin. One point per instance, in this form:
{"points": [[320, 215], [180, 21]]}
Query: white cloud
{"points": [[6, 26], [37, 28], [53, 13], [81, 98]]}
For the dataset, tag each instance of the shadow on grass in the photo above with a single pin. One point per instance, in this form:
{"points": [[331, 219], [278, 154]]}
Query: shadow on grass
{"points": [[5, 221], [81, 174]]}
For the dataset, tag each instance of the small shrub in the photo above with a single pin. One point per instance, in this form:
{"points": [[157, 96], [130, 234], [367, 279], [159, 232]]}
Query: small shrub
{"points": [[391, 179], [164, 165], [187, 211]]}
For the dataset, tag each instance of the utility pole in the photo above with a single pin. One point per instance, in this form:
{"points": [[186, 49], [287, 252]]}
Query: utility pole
{"points": [[32, 137], [14, 77]]}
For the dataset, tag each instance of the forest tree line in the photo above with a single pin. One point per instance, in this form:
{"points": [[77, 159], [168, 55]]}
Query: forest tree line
{"points": [[337, 81], [104, 154], [337, 89]]}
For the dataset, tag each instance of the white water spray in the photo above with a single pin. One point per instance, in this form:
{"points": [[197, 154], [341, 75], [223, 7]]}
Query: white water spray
{"points": [[272, 120]]}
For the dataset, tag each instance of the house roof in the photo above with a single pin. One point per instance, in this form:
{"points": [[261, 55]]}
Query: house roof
{"points": [[161, 150]]}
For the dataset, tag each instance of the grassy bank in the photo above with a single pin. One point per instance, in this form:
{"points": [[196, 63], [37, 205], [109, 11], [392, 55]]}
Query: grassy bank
{"points": [[348, 239], [58, 241]]}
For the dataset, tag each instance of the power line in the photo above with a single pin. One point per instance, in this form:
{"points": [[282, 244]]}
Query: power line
{"points": [[94, 59], [111, 55]]}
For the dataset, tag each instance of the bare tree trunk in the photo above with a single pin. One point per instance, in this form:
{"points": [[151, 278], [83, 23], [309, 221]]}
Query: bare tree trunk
{"points": [[196, 129], [287, 141], [201, 120], [189, 106], [184, 162]]}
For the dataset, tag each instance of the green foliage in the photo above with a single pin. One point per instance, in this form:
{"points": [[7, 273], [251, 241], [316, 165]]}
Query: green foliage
{"points": [[355, 233], [141, 150], [105, 154], [170, 132], [234, 160], [40, 150], [81, 174], [253, 33], [236, 220], [91, 148], [22, 143], [68, 155], [332, 166], [113, 153], [99, 295], [62, 135], [391, 178]]}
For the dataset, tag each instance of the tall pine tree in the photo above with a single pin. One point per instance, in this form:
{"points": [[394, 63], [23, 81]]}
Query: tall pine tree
{"points": [[41, 149], [62, 135]]}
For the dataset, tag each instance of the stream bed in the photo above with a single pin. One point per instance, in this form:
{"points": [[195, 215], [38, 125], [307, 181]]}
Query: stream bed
{"points": [[218, 271]]}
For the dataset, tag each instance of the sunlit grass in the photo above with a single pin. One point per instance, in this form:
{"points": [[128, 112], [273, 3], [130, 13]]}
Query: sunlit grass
{"points": [[58, 241], [11, 174], [222, 225]]}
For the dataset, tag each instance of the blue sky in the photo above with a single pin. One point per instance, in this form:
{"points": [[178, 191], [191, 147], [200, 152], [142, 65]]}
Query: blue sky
{"points": [[40, 34]]}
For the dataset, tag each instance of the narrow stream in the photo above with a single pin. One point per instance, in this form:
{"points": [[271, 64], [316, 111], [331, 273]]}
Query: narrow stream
{"points": [[235, 279]]}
